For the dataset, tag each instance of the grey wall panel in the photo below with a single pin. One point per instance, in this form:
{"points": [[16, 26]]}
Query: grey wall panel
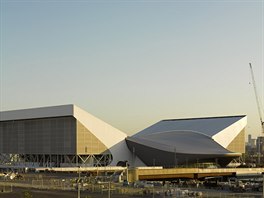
{"points": [[39, 136]]}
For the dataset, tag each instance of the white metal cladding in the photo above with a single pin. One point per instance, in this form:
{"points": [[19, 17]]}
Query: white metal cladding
{"points": [[111, 137], [226, 136]]}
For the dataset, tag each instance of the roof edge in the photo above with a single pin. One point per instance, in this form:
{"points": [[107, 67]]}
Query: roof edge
{"points": [[201, 118], [39, 112]]}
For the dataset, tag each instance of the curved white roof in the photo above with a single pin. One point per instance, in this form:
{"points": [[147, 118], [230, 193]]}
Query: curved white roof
{"points": [[209, 126], [182, 142], [165, 148], [223, 129], [186, 142]]}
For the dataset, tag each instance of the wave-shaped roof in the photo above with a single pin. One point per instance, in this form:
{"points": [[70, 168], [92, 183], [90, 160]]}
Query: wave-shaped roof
{"points": [[187, 140], [208, 126], [181, 142]]}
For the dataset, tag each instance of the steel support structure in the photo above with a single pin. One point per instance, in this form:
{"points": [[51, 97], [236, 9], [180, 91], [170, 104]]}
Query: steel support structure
{"points": [[51, 160]]}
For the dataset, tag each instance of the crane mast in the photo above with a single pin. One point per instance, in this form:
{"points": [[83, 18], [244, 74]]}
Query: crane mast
{"points": [[257, 99]]}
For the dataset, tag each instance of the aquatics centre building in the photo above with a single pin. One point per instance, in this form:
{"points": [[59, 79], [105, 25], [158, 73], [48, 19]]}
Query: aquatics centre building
{"points": [[68, 136], [174, 142]]}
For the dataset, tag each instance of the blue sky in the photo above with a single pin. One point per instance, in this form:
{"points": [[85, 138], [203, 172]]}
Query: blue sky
{"points": [[133, 63]]}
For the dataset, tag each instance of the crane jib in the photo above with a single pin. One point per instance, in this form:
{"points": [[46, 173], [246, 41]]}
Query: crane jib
{"points": [[257, 99]]}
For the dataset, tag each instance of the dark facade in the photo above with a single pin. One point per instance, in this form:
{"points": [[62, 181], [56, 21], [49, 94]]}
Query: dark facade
{"points": [[50, 141], [39, 136], [174, 149]]}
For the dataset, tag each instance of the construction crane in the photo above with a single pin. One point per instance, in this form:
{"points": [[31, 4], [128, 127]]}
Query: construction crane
{"points": [[257, 99]]}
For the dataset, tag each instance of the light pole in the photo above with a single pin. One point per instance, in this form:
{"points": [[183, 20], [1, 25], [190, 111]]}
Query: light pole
{"points": [[175, 158], [259, 144], [133, 158], [153, 194], [258, 152], [263, 185], [79, 192], [127, 171], [109, 188], [260, 149]]}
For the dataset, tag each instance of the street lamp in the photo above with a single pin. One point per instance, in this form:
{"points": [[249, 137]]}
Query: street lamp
{"points": [[263, 184], [175, 158], [259, 143], [127, 170], [109, 187], [79, 192]]}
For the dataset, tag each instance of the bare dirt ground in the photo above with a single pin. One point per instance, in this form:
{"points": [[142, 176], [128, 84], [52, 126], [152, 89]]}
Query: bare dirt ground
{"points": [[36, 193]]}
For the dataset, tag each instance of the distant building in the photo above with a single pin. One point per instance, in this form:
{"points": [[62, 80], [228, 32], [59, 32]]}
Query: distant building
{"points": [[260, 145], [251, 142]]}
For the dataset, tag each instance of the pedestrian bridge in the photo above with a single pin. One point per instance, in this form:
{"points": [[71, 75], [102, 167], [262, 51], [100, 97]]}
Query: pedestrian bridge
{"points": [[159, 173]]}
